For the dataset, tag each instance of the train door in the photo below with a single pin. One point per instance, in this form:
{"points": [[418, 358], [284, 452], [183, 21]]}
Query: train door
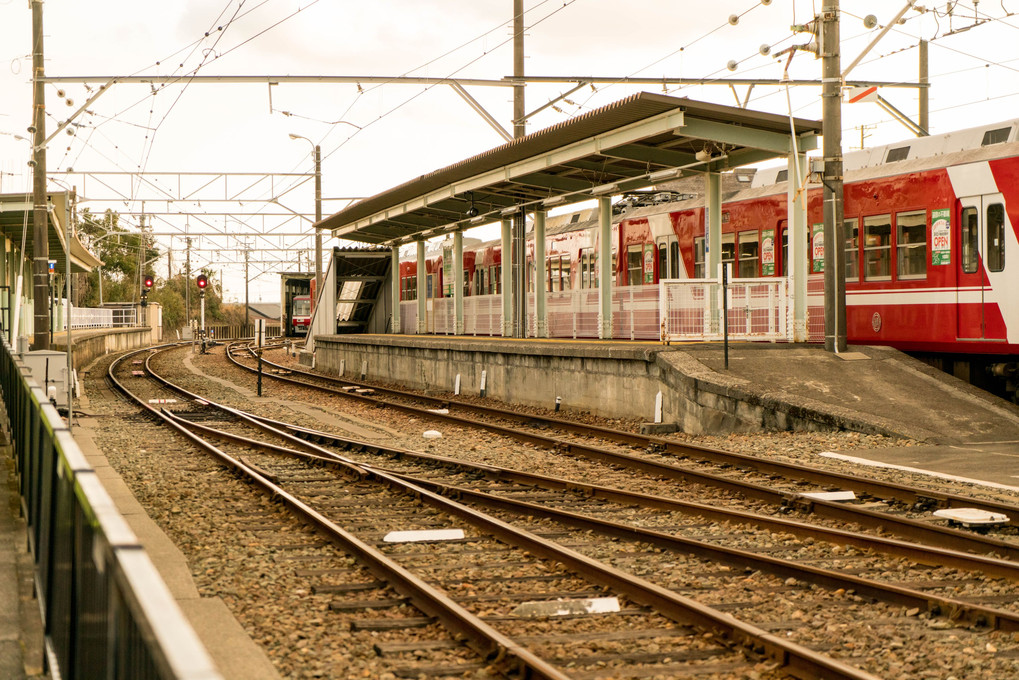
{"points": [[669, 261], [981, 255]]}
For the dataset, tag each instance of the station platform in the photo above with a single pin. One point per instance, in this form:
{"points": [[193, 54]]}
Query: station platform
{"points": [[767, 386]]}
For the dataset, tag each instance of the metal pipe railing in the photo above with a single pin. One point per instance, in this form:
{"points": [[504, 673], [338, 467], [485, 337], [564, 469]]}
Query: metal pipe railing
{"points": [[106, 611]]}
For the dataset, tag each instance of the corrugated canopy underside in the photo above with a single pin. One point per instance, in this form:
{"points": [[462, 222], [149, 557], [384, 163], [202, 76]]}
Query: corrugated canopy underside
{"points": [[617, 147]]}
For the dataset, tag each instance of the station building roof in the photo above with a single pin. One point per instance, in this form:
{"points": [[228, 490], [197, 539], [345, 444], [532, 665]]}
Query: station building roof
{"points": [[635, 142], [16, 214]]}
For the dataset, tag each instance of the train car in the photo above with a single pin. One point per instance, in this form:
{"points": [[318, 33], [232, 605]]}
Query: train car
{"points": [[928, 223], [300, 315], [297, 302]]}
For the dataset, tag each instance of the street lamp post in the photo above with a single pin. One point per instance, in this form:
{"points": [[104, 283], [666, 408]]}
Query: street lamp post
{"points": [[317, 155]]}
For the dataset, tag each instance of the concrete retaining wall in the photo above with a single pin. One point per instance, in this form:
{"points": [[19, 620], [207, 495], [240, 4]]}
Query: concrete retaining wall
{"points": [[616, 381], [88, 345]]}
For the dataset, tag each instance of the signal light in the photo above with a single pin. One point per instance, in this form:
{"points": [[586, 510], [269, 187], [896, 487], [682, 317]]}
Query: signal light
{"points": [[202, 281], [149, 281]]}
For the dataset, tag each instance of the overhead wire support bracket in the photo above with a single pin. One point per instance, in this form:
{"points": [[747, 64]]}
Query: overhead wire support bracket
{"points": [[481, 111]]}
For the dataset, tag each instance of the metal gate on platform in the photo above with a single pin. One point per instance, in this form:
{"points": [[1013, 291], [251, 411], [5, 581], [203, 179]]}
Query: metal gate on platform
{"points": [[691, 309]]}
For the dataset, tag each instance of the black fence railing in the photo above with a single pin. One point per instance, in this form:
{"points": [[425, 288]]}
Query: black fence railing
{"points": [[222, 331], [106, 612]]}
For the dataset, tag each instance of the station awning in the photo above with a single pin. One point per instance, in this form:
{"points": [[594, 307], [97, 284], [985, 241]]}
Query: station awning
{"points": [[16, 215], [633, 143]]}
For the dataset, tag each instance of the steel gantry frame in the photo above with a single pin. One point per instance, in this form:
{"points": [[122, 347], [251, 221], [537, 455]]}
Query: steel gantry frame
{"points": [[213, 213]]}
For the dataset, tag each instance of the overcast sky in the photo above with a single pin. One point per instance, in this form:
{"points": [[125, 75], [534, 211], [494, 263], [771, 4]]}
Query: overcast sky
{"points": [[406, 131]]}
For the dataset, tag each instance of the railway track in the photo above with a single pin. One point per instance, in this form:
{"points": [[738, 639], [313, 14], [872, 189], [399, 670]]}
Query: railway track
{"points": [[682, 558], [880, 506]]}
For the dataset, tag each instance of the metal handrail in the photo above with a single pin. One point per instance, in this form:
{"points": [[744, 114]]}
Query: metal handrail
{"points": [[106, 611]]}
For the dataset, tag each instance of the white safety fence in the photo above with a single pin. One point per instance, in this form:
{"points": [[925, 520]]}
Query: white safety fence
{"points": [[687, 309], [691, 309], [114, 317]]}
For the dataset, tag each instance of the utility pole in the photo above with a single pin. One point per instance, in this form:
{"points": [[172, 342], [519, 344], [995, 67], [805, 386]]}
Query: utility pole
{"points": [[834, 236], [141, 248], [318, 218], [519, 262], [247, 310], [924, 79], [40, 215], [187, 282]]}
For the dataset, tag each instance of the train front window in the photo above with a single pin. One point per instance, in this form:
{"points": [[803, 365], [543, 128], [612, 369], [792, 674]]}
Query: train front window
{"points": [[911, 244], [851, 229], [995, 237], [749, 254], [877, 247], [970, 240], [301, 307]]}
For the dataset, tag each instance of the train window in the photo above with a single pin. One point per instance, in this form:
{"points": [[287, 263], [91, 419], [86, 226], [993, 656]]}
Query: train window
{"points": [[785, 251], [589, 268], [564, 270], [877, 247], [749, 254], [663, 259], [555, 273], [970, 240], [911, 244], [899, 153], [673, 259], [995, 237], [698, 258], [467, 283], [995, 136], [634, 265], [851, 229], [728, 248]]}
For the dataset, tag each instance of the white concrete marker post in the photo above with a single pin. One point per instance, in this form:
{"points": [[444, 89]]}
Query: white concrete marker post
{"points": [[658, 407], [364, 369], [343, 365], [456, 385], [484, 382]]}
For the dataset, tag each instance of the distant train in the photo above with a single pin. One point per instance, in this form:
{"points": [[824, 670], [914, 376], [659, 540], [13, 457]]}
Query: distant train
{"points": [[300, 315], [928, 224]]}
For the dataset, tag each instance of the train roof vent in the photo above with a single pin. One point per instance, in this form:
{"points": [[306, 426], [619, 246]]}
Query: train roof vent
{"points": [[899, 153], [575, 218], [782, 176], [996, 136]]}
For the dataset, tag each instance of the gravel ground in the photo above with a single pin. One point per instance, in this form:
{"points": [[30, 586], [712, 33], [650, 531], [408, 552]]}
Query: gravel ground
{"points": [[258, 581]]}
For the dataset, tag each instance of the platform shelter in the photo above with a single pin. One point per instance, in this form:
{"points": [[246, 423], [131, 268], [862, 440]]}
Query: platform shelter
{"points": [[633, 143]]}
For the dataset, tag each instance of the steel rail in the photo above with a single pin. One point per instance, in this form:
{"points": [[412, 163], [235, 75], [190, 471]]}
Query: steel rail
{"points": [[796, 659], [488, 642], [976, 614], [909, 528], [864, 485], [919, 553]]}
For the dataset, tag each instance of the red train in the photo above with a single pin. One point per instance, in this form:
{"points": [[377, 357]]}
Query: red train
{"points": [[928, 222]]}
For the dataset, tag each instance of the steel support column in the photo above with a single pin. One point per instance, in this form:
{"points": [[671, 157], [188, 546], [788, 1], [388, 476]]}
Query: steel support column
{"points": [[506, 278], [422, 284], [540, 280], [713, 215], [394, 292], [605, 268], [798, 256], [458, 282]]}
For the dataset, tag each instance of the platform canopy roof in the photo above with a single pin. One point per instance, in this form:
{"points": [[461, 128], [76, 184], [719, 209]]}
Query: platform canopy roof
{"points": [[633, 143], [16, 215]]}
